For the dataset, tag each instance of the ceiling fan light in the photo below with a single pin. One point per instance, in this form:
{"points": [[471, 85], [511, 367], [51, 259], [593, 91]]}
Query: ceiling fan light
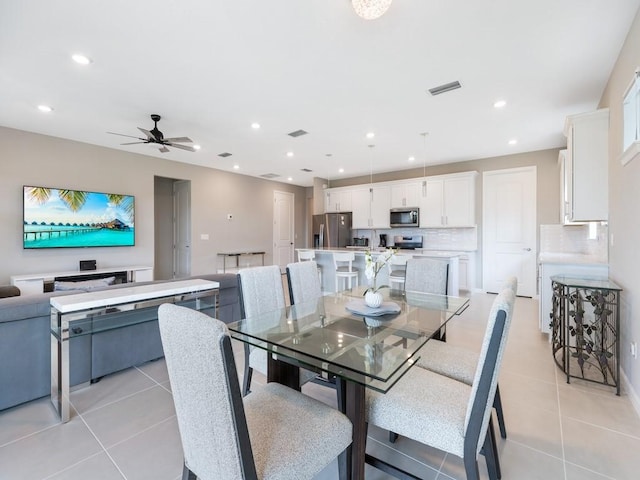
{"points": [[370, 9]]}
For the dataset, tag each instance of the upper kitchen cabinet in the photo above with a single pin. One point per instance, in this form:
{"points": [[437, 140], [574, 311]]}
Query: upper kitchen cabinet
{"points": [[406, 194], [586, 167], [450, 201], [337, 200], [370, 207]]}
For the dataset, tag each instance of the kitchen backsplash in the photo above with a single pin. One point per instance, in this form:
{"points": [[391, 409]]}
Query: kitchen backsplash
{"points": [[576, 239], [452, 239]]}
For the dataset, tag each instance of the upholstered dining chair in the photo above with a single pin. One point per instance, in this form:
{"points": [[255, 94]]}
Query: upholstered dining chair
{"points": [[343, 264], [444, 413], [461, 363], [261, 292], [273, 433], [397, 266], [429, 275]]}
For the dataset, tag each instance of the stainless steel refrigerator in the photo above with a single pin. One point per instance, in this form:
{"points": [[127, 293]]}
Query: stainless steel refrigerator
{"points": [[332, 230]]}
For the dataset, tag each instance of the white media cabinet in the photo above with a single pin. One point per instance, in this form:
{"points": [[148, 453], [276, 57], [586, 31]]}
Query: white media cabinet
{"points": [[33, 283]]}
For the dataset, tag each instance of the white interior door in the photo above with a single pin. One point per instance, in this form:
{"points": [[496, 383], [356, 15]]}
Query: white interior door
{"points": [[283, 228], [509, 229], [181, 229]]}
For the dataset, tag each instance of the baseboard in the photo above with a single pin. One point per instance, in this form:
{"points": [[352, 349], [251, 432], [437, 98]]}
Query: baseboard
{"points": [[628, 389]]}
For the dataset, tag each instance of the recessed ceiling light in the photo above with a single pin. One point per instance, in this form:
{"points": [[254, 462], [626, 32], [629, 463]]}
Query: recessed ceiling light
{"points": [[236, 167], [371, 135], [81, 59], [290, 179], [499, 104], [45, 108], [341, 170], [255, 126], [289, 154], [412, 159], [513, 141], [197, 147]]}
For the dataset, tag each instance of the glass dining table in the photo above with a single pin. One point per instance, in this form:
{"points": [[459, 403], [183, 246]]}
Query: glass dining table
{"points": [[345, 341]]}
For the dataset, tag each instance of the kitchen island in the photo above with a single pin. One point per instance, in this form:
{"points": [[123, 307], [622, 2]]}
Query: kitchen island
{"points": [[324, 259]]}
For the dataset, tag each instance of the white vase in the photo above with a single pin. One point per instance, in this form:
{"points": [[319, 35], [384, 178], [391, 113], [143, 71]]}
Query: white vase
{"points": [[373, 299]]}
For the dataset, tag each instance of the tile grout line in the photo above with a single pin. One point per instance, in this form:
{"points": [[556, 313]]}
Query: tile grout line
{"points": [[564, 458]]}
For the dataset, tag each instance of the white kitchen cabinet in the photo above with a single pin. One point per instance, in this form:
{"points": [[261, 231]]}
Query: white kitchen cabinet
{"points": [[338, 200], [406, 194], [370, 207], [449, 201], [586, 167]]}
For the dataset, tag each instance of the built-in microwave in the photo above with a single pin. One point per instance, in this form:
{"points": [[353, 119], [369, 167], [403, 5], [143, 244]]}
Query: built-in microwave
{"points": [[404, 217]]}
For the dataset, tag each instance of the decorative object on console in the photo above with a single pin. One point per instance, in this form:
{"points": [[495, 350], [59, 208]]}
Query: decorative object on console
{"points": [[62, 218], [85, 286], [370, 9], [87, 265]]}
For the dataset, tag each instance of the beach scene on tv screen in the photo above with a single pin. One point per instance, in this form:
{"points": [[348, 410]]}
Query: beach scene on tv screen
{"points": [[75, 218]]}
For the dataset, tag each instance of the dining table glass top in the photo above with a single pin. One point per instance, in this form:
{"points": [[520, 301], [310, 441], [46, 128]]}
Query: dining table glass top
{"points": [[338, 335]]}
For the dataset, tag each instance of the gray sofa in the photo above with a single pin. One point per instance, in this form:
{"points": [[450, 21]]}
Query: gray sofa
{"points": [[25, 345]]}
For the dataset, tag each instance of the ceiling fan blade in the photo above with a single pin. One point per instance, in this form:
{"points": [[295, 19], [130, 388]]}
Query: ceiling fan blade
{"points": [[149, 135], [123, 135], [135, 143], [163, 149], [182, 147], [178, 140]]}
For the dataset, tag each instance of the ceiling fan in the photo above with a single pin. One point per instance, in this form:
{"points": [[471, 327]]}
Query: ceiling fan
{"points": [[156, 136]]}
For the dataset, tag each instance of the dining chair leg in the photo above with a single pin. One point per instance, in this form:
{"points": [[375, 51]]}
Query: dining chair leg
{"points": [[187, 474], [497, 404], [248, 372], [495, 461]]}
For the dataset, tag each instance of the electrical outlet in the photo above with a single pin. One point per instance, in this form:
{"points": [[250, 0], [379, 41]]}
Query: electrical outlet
{"points": [[204, 236], [634, 349]]}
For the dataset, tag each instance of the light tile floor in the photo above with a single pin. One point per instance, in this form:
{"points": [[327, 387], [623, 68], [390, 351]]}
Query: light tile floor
{"points": [[124, 427]]}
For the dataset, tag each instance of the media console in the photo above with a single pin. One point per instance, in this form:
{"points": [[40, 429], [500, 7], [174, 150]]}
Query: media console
{"points": [[34, 283]]}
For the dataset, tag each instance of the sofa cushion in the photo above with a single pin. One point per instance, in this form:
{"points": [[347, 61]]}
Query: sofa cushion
{"points": [[9, 291]]}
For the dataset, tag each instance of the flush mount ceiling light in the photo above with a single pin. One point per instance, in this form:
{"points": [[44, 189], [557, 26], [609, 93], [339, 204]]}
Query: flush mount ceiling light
{"points": [[499, 104], [370, 9], [45, 108], [81, 59]]}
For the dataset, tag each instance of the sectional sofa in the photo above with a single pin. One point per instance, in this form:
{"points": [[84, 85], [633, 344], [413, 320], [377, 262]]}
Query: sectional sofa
{"points": [[25, 345]]}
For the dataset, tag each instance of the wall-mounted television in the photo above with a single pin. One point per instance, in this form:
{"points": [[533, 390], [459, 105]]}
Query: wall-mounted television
{"points": [[59, 218]]}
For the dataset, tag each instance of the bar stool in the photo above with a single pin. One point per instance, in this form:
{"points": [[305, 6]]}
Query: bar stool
{"points": [[397, 269], [307, 255], [343, 262]]}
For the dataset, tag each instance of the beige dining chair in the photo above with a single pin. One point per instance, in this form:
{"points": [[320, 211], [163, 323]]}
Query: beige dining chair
{"points": [[444, 413], [273, 433], [261, 291], [310, 255], [343, 263], [461, 363], [428, 275]]}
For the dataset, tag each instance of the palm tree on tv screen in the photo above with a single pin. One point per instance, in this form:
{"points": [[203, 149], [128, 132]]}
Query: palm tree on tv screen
{"points": [[74, 199]]}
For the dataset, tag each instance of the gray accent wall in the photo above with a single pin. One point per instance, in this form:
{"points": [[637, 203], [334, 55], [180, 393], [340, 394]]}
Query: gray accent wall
{"points": [[33, 159], [624, 205]]}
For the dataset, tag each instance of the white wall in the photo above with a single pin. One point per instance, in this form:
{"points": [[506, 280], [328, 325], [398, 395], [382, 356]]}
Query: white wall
{"points": [[32, 159], [624, 204]]}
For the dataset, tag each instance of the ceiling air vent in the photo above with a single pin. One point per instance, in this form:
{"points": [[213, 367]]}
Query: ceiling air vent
{"points": [[297, 133], [306, 170], [447, 87], [224, 154], [270, 175]]}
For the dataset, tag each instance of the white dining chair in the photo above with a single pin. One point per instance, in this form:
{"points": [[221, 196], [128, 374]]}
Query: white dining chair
{"points": [[274, 433], [343, 263]]}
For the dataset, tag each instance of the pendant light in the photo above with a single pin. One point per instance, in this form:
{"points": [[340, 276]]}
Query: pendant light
{"points": [[370, 9]]}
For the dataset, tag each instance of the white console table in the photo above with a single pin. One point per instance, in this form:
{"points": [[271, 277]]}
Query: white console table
{"points": [[33, 283], [99, 311]]}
